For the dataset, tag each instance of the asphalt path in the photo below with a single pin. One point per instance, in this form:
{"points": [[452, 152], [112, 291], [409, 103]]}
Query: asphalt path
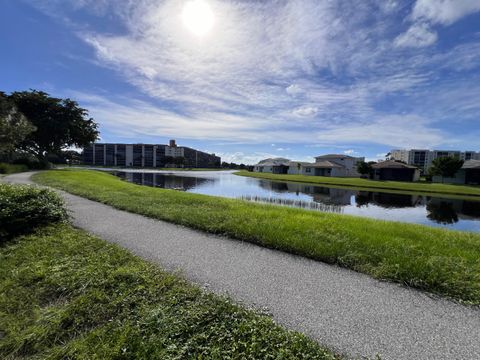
{"points": [[341, 309]]}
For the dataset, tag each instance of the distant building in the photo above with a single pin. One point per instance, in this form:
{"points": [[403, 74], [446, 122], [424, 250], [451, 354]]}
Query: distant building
{"points": [[397, 171], [423, 158], [273, 165], [348, 163], [148, 155], [335, 165]]}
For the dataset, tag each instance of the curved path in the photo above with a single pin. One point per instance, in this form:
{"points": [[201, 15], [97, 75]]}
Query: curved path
{"points": [[341, 309]]}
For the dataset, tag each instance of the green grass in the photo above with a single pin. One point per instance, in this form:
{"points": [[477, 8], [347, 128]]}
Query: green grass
{"points": [[440, 261], [67, 295], [373, 185], [12, 168]]}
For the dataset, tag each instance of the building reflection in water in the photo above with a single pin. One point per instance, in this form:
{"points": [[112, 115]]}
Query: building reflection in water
{"points": [[327, 196], [162, 181]]}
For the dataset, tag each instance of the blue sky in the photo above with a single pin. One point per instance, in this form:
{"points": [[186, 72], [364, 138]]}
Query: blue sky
{"points": [[279, 78]]}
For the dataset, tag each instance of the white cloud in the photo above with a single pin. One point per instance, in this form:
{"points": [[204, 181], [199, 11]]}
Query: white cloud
{"points": [[350, 152], [444, 12], [241, 157], [427, 13], [294, 90], [418, 35], [306, 111]]}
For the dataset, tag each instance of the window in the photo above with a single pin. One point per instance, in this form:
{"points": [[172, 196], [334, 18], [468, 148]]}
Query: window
{"points": [[308, 170]]}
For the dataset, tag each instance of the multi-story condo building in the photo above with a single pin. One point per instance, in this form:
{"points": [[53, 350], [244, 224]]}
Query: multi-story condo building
{"points": [[148, 155], [423, 158]]}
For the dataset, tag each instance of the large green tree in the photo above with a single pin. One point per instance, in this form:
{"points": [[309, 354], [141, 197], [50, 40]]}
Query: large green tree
{"points": [[365, 168], [59, 123], [14, 126], [445, 166]]}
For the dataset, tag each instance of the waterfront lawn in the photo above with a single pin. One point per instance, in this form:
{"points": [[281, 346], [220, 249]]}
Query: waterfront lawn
{"points": [[440, 261], [67, 295], [372, 185]]}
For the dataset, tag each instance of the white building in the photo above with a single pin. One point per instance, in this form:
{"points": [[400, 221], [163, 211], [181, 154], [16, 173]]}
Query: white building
{"points": [[423, 158], [335, 165]]}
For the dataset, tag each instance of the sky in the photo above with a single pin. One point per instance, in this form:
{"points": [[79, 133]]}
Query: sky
{"points": [[250, 79]]}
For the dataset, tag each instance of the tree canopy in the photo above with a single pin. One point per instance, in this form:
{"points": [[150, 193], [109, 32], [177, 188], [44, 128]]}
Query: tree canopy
{"points": [[14, 126], [365, 168], [446, 166], [59, 123]]}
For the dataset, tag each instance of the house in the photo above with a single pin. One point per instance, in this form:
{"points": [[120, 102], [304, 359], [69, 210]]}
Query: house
{"points": [[348, 164], [468, 174], [273, 165], [336, 165], [323, 168], [393, 170]]}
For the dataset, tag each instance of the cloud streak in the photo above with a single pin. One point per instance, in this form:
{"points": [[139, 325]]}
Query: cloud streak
{"points": [[316, 72]]}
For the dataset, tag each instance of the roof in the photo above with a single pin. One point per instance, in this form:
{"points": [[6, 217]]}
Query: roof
{"points": [[274, 162], [321, 164], [326, 164], [390, 164], [334, 156], [471, 164]]}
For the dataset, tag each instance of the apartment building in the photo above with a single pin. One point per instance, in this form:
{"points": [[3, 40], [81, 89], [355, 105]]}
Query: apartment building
{"points": [[422, 158], [148, 155]]}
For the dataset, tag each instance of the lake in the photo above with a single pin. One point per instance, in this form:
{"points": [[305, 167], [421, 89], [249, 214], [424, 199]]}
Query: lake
{"points": [[420, 209]]}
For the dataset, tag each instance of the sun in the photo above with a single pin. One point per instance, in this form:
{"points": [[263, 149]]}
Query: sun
{"points": [[197, 17]]}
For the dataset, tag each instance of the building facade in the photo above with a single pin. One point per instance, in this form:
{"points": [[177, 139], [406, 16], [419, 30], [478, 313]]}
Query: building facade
{"points": [[335, 165], [148, 155], [397, 171], [423, 158]]}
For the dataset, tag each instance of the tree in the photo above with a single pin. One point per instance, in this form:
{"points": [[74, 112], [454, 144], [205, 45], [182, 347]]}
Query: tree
{"points": [[364, 168], [59, 123], [445, 166], [180, 161], [14, 126]]}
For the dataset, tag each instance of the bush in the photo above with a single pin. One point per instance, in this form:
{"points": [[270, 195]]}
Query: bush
{"points": [[33, 164], [23, 208], [12, 168]]}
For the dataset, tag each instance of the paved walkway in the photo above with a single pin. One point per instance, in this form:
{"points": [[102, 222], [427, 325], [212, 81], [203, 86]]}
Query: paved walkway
{"points": [[341, 309]]}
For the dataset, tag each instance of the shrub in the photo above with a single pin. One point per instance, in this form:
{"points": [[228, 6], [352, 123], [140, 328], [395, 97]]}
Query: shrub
{"points": [[23, 208], [33, 163], [12, 168]]}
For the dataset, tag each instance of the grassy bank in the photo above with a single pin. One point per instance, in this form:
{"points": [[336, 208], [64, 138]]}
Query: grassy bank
{"points": [[372, 185], [437, 260], [65, 294]]}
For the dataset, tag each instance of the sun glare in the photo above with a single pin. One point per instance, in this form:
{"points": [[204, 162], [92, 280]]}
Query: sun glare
{"points": [[197, 17]]}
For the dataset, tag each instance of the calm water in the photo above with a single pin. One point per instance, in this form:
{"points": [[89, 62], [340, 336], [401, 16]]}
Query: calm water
{"points": [[420, 209]]}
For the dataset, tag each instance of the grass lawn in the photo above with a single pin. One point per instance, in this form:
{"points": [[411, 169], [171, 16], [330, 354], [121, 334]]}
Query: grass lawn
{"points": [[65, 295], [373, 185], [440, 261]]}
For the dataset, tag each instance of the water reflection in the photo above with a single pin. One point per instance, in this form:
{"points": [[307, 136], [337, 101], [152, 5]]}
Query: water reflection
{"points": [[456, 214], [160, 180]]}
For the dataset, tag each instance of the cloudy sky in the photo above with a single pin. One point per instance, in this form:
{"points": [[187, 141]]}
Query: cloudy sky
{"points": [[252, 79]]}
